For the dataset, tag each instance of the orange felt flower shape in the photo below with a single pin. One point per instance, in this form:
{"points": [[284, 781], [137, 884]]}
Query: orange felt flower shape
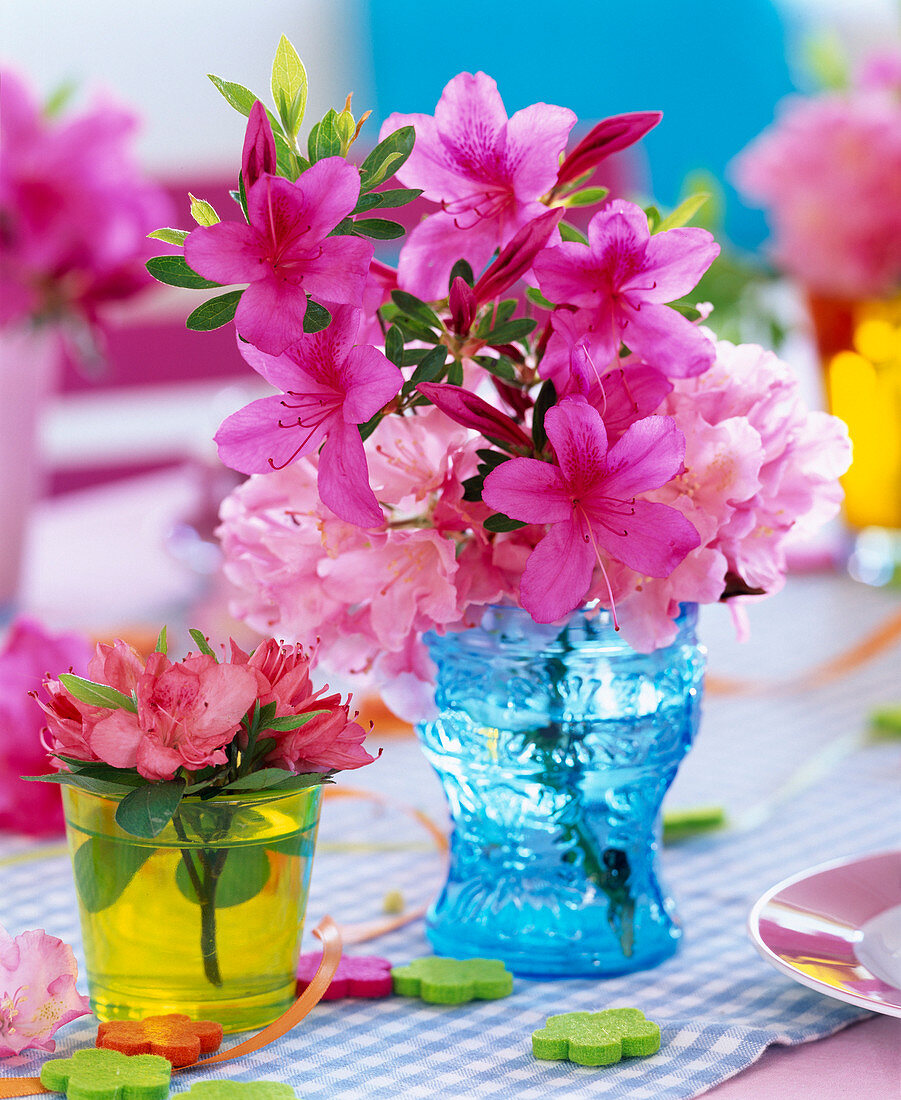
{"points": [[175, 1037]]}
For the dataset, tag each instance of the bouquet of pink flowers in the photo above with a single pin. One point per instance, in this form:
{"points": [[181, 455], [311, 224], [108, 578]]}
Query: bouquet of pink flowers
{"points": [[520, 413], [153, 732], [828, 173], [75, 209]]}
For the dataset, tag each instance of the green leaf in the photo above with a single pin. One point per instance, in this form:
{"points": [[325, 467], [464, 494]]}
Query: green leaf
{"points": [[316, 318], [97, 695], [570, 233], [371, 424], [267, 712], [202, 644], [241, 98], [462, 269], [538, 299], [501, 368], [472, 488], [386, 158], [289, 86], [547, 396], [431, 366], [416, 308], [387, 199], [505, 310], [147, 810], [324, 140], [491, 459], [499, 522], [104, 867], [394, 345], [684, 212], [414, 329], [243, 875], [162, 642], [346, 127], [455, 373], [258, 781], [202, 212], [215, 312], [588, 197], [169, 236], [344, 228], [174, 271], [291, 721], [512, 330], [83, 782], [653, 216], [379, 229]]}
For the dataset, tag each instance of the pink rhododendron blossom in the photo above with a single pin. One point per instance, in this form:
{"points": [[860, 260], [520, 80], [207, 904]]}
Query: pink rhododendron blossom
{"points": [[186, 713], [37, 991], [487, 172], [75, 208], [329, 387], [834, 207], [286, 253], [26, 656], [619, 284], [589, 500], [327, 742]]}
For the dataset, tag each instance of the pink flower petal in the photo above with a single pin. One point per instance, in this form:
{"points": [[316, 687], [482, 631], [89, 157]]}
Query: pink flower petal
{"points": [[227, 252], [674, 262], [337, 271], [251, 440], [344, 478], [557, 574], [653, 540], [528, 490], [648, 454], [116, 739], [535, 138], [270, 313], [372, 380], [435, 245], [299, 215], [579, 439], [668, 341]]}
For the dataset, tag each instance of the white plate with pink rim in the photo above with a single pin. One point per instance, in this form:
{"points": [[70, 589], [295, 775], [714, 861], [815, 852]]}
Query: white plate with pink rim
{"points": [[837, 929]]}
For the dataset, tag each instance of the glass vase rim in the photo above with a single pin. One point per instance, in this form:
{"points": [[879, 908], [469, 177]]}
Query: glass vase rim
{"points": [[246, 798]]}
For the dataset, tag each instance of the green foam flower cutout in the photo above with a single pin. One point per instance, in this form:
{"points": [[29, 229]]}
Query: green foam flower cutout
{"points": [[597, 1038], [453, 981], [108, 1075]]}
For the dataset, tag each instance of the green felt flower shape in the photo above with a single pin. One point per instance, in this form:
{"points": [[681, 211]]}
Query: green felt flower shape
{"points": [[443, 981], [108, 1075], [236, 1090], [597, 1038]]}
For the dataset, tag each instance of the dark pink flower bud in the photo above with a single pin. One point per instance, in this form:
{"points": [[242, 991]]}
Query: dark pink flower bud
{"points": [[472, 412], [258, 156], [517, 258], [609, 136], [462, 305]]}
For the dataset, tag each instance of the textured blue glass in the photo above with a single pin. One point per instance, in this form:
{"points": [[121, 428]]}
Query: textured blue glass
{"points": [[555, 748]]}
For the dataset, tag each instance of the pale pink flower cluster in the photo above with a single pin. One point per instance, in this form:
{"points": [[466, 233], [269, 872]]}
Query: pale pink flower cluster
{"points": [[37, 991], [828, 174], [186, 712]]}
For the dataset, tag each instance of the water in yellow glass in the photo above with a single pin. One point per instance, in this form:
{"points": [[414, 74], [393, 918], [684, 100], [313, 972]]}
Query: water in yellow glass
{"points": [[864, 389], [204, 919]]}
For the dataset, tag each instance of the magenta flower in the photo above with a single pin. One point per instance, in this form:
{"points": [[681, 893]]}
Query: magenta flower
{"points": [[37, 991], [286, 253], [589, 500], [609, 136], [328, 386], [258, 157], [620, 281], [27, 653], [487, 172]]}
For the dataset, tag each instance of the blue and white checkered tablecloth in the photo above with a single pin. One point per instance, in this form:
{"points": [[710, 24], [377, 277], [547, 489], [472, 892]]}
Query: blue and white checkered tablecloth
{"points": [[798, 790]]}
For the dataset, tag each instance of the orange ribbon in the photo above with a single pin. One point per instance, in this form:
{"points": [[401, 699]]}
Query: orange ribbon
{"points": [[327, 931]]}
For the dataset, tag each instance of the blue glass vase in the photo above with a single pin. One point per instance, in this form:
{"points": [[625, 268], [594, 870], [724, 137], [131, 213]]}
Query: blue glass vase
{"points": [[555, 746]]}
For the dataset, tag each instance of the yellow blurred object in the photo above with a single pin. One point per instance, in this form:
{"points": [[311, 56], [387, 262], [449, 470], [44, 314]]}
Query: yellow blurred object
{"points": [[861, 348]]}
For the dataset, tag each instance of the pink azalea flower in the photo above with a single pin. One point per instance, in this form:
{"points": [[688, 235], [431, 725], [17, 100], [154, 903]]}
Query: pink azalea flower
{"points": [[589, 502], [833, 206], [487, 172], [327, 742], [619, 284], [186, 712], [28, 652], [286, 253], [329, 387], [37, 991], [57, 254]]}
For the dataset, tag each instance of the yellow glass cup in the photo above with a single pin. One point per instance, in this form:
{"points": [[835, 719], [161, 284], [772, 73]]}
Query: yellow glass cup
{"points": [[206, 918]]}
